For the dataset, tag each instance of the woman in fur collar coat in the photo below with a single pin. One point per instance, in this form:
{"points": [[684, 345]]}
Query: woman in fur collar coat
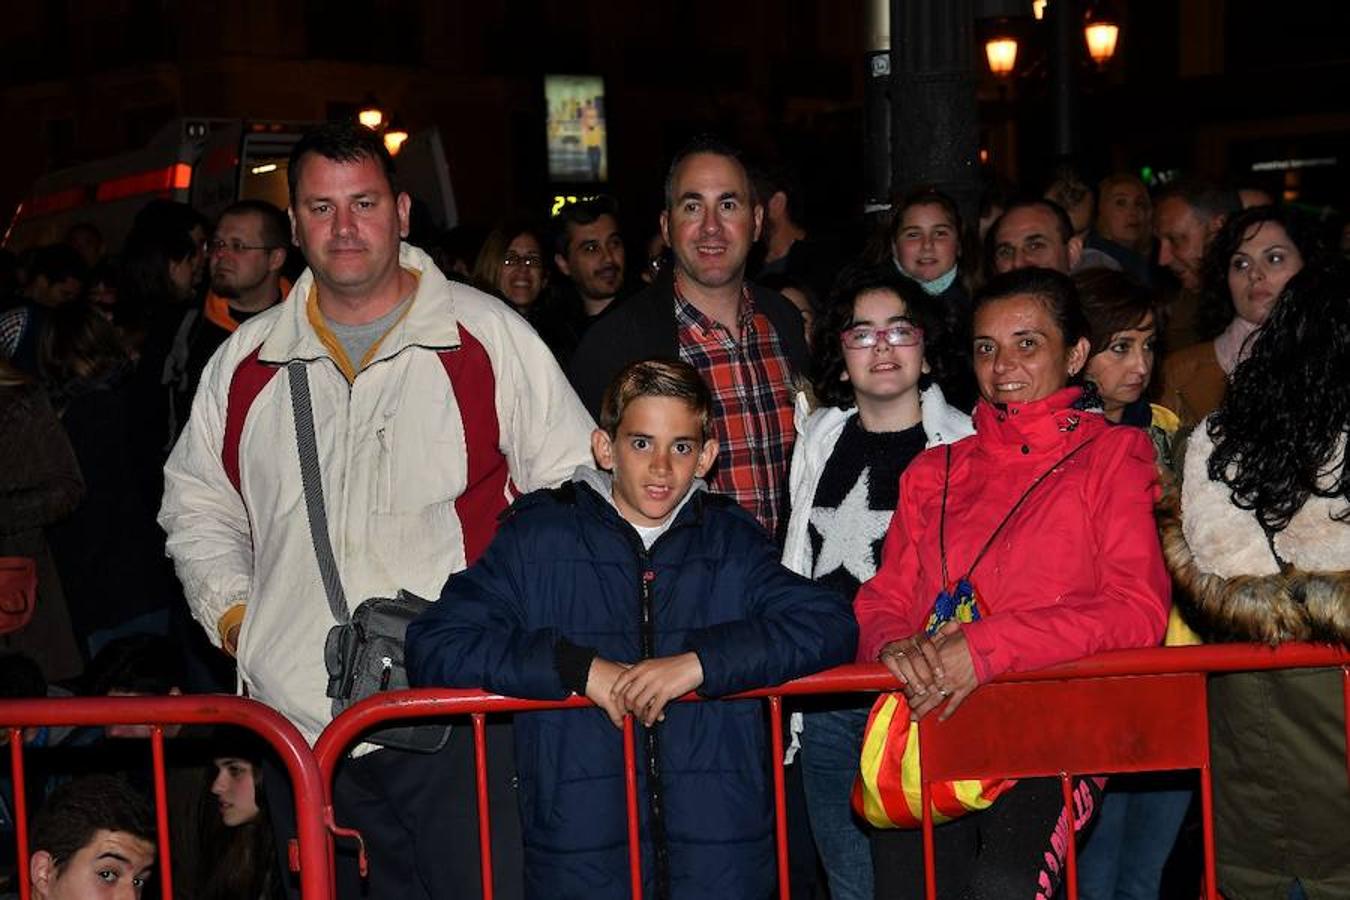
{"points": [[1260, 536]]}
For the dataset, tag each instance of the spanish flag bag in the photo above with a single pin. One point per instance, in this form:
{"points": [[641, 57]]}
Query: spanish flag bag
{"points": [[887, 792]]}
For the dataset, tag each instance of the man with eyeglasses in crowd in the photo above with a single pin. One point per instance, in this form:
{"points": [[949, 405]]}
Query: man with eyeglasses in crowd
{"points": [[246, 255]]}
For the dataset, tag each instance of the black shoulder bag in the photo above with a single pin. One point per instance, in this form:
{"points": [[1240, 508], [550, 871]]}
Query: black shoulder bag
{"points": [[364, 650]]}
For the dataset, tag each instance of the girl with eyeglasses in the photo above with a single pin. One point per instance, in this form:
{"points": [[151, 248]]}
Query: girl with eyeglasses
{"points": [[880, 406]]}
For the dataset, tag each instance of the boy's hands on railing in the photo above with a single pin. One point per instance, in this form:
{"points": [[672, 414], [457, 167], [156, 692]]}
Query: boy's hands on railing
{"points": [[646, 688], [599, 688]]}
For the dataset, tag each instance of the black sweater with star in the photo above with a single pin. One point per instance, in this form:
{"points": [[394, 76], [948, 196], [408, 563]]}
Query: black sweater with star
{"points": [[857, 493]]}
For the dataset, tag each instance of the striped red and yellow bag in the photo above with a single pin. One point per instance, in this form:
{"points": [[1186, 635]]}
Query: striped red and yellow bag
{"points": [[887, 790]]}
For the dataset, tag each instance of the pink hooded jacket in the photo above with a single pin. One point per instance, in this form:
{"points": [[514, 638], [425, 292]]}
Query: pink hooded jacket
{"points": [[1077, 570]]}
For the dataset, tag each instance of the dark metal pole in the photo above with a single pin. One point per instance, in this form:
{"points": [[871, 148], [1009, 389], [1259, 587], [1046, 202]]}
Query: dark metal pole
{"points": [[877, 107], [934, 129], [1065, 23]]}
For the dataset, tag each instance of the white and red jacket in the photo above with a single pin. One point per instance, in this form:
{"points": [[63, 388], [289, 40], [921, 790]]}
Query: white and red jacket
{"points": [[460, 407]]}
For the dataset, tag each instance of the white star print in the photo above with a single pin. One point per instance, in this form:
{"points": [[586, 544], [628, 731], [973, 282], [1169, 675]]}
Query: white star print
{"points": [[847, 533]]}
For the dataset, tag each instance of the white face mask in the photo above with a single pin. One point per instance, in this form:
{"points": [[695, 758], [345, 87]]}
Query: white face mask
{"points": [[934, 287]]}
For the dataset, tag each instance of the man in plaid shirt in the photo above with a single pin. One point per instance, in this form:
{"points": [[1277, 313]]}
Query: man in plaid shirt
{"points": [[747, 342]]}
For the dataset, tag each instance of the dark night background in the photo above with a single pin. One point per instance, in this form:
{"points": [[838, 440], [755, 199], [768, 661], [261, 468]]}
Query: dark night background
{"points": [[1206, 86]]}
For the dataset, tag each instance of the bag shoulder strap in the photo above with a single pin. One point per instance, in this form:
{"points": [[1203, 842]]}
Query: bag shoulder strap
{"points": [[998, 529], [307, 449]]}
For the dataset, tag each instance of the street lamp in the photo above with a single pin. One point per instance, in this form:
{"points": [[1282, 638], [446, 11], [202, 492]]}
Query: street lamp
{"points": [[1001, 51], [1101, 31], [394, 137], [370, 114]]}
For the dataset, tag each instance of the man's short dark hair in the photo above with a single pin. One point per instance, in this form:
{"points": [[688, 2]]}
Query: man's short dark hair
{"points": [[1208, 198], [57, 262], [276, 229], [340, 141], [79, 809], [1061, 217], [711, 144], [582, 212], [771, 180], [135, 664]]}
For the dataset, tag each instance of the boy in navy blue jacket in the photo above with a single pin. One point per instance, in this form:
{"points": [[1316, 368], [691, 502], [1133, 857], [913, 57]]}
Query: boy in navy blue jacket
{"points": [[634, 586]]}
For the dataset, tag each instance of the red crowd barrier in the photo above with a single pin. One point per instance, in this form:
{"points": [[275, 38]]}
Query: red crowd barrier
{"points": [[309, 854], [1118, 712]]}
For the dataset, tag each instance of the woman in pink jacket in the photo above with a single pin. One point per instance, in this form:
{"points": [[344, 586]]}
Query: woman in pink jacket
{"points": [[1043, 523]]}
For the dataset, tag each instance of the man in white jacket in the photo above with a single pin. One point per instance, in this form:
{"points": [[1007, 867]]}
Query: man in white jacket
{"points": [[434, 405]]}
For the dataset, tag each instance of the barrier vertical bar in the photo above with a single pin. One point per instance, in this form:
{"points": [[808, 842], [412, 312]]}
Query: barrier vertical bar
{"points": [[161, 813], [631, 803], [929, 852], [779, 796], [1070, 850], [484, 826], [1207, 809], [20, 810], [1207, 821]]}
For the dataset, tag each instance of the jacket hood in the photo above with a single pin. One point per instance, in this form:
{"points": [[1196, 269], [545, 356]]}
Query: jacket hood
{"points": [[1287, 606], [1041, 425], [602, 483]]}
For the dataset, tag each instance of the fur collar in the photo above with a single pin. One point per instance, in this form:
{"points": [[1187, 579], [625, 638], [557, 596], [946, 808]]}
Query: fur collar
{"points": [[1268, 608]]}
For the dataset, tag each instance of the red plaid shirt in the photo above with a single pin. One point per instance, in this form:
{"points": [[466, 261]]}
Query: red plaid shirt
{"points": [[752, 392]]}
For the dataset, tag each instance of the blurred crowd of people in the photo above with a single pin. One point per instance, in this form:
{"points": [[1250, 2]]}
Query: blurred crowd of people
{"points": [[880, 398]]}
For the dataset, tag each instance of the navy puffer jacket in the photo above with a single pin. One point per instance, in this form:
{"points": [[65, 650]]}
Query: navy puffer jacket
{"points": [[566, 568]]}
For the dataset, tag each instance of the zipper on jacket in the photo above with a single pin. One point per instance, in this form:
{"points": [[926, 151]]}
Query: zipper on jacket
{"points": [[647, 646], [655, 804]]}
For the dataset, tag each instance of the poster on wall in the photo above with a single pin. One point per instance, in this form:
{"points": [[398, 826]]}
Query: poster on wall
{"points": [[578, 150]]}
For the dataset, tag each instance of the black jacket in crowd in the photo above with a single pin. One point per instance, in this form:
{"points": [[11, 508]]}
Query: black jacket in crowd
{"points": [[644, 328]]}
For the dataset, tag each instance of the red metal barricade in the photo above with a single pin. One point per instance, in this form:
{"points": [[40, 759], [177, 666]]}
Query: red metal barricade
{"points": [[1126, 711], [308, 856]]}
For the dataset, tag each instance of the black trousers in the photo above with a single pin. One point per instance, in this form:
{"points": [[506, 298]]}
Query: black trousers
{"points": [[418, 815], [1014, 850]]}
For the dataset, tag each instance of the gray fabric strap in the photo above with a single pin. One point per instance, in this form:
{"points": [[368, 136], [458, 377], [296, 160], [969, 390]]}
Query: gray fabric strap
{"points": [[309, 476]]}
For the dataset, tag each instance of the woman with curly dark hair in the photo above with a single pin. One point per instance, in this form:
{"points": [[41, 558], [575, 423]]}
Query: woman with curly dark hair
{"points": [[1245, 268], [877, 370], [1260, 536]]}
